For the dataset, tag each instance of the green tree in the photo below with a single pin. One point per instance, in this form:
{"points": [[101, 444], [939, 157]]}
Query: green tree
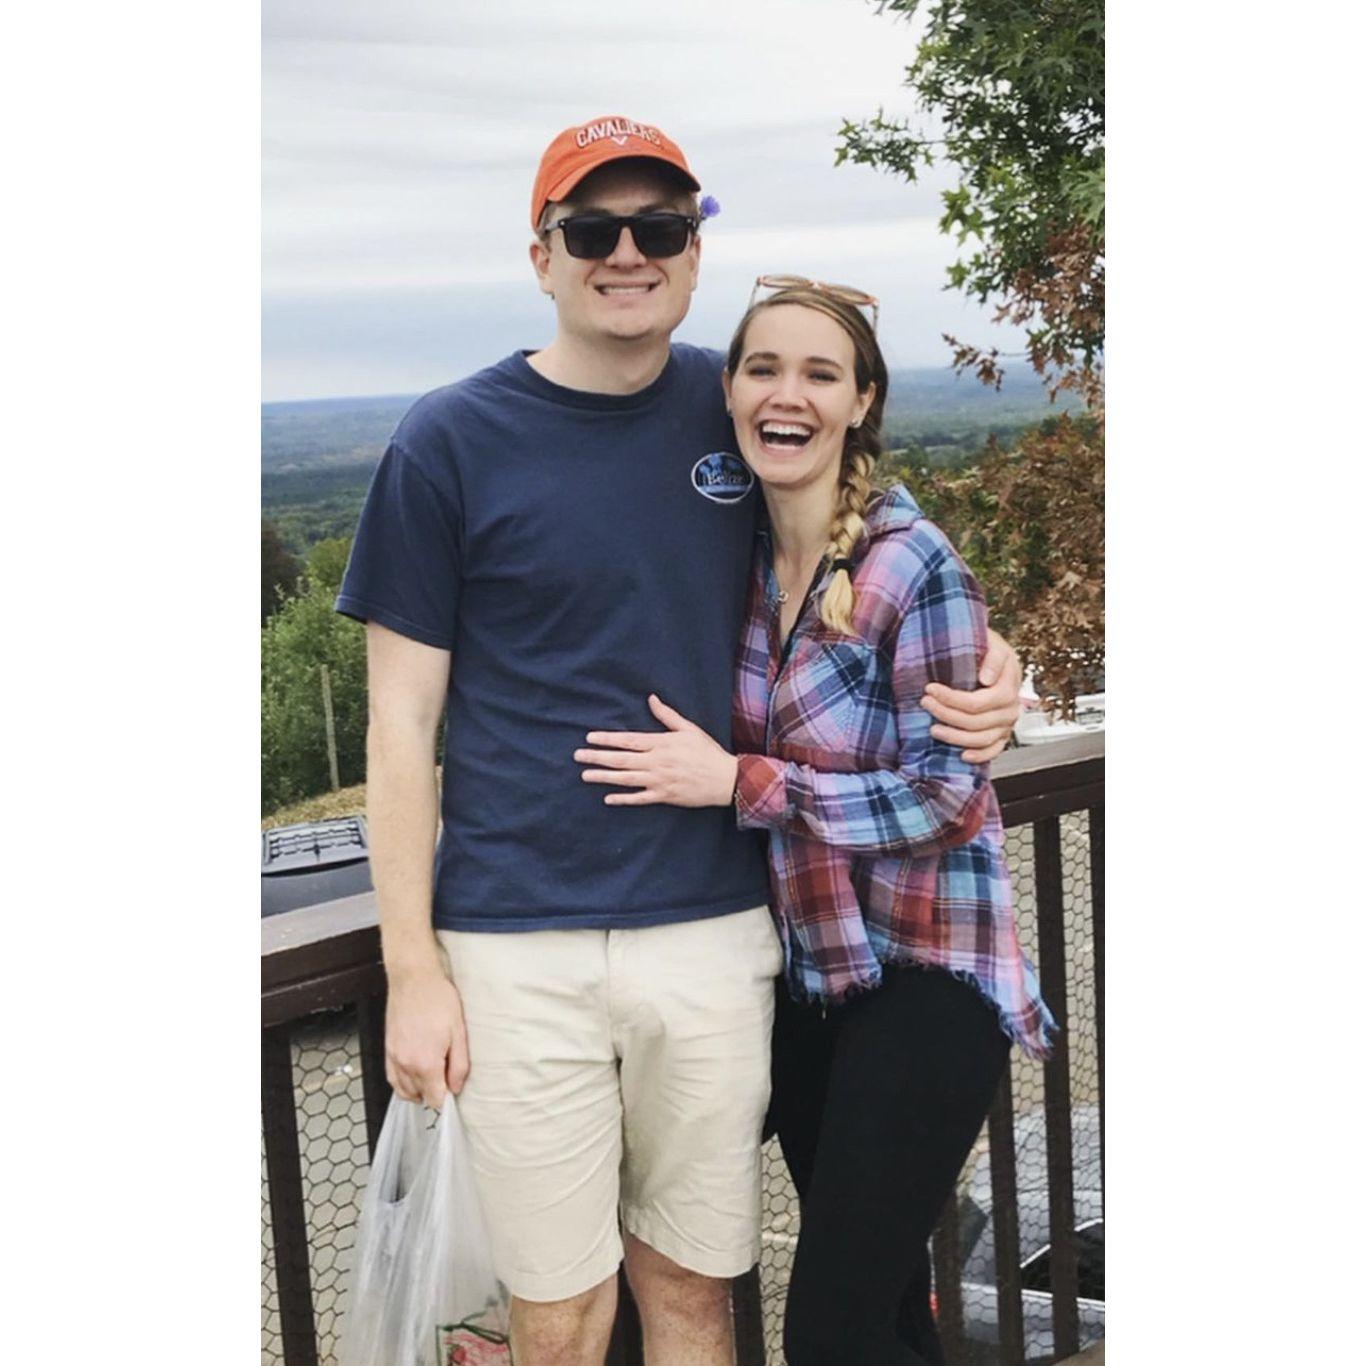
{"points": [[327, 562], [303, 635], [1018, 88], [279, 570]]}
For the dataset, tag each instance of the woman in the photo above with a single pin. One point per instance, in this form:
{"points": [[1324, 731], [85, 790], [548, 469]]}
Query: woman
{"points": [[886, 849]]}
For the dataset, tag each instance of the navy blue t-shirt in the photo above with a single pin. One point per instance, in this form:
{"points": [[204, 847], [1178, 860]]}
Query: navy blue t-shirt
{"points": [[575, 552]]}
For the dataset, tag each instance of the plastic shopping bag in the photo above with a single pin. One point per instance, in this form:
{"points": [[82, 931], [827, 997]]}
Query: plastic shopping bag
{"points": [[423, 1290]]}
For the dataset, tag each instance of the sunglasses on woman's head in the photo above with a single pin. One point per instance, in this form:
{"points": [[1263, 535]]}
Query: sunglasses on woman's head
{"points": [[844, 293], [594, 236]]}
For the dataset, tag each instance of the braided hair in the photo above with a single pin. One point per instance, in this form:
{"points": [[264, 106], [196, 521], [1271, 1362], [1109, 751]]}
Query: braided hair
{"points": [[862, 441]]}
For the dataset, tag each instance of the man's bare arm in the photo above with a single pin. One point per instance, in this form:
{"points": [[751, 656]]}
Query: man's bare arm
{"points": [[425, 1053]]}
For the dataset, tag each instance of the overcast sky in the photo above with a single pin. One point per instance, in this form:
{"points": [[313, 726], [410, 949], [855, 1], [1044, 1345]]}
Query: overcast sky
{"points": [[401, 138]]}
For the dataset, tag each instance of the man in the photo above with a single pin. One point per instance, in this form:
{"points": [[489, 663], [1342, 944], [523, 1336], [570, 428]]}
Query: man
{"points": [[544, 545]]}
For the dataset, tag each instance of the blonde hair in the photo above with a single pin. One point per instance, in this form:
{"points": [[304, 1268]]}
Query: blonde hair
{"points": [[862, 443]]}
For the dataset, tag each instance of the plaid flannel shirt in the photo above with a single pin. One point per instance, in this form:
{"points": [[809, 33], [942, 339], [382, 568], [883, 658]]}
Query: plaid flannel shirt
{"points": [[885, 844]]}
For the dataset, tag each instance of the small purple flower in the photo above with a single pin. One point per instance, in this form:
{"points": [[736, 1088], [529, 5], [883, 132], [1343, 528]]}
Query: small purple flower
{"points": [[709, 207]]}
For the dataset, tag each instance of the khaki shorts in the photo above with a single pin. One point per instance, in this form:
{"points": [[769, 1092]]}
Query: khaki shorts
{"points": [[618, 1079]]}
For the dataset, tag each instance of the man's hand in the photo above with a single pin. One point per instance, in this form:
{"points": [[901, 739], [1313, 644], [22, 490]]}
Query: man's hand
{"points": [[425, 1053], [681, 766], [979, 722]]}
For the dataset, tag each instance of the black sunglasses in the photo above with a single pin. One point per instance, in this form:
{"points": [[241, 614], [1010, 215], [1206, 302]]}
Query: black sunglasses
{"points": [[593, 237]]}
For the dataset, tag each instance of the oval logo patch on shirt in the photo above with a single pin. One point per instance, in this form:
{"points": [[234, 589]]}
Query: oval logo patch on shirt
{"points": [[722, 477]]}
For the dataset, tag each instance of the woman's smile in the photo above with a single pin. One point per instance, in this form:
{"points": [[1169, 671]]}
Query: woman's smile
{"points": [[794, 396]]}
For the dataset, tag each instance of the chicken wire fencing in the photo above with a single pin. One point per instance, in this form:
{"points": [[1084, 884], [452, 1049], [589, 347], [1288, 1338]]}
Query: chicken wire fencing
{"points": [[334, 1158], [335, 1162]]}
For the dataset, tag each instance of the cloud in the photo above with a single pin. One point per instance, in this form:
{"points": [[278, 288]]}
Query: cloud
{"points": [[400, 141]]}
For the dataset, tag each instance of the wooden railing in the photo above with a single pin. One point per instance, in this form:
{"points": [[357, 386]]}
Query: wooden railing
{"points": [[325, 957], [1036, 787]]}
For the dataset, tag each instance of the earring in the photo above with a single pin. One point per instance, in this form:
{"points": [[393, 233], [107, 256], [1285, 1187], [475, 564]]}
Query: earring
{"points": [[857, 422]]}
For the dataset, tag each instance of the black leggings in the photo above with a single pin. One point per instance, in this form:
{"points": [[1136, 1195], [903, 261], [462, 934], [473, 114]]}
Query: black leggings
{"points": [[877, 1105]]}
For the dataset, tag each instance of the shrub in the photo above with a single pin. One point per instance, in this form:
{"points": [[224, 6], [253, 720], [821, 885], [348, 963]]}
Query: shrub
{"points": [[296, 642], [1030, 522]]}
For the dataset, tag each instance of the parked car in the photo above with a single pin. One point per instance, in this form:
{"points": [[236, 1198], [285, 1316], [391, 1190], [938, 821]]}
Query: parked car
{"points": [[980, 1318], [302, 865]]}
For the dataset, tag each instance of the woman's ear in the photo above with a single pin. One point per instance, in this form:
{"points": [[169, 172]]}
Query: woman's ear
{"points": [[725, 387]]}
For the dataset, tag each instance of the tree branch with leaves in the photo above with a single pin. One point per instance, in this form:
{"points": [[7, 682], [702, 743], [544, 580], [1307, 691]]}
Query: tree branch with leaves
{"points": [[1017, 88]]}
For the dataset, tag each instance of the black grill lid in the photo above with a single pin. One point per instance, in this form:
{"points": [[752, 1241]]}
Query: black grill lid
{"points": [[313, 845]]}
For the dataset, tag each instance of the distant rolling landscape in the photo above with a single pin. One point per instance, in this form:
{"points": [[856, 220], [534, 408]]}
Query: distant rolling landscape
{"points": [[317, 455]]}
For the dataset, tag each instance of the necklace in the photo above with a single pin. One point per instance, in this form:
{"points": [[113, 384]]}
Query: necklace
{"points": [[785, 594]]}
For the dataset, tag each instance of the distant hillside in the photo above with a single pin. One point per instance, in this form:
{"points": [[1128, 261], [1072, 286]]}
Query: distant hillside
{"points": [[948, 417], [930, 396], [317, 456], [316, 461], [328, 431]]}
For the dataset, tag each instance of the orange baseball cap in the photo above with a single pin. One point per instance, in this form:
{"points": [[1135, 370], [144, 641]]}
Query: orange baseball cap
{"points": [[587, 146]]}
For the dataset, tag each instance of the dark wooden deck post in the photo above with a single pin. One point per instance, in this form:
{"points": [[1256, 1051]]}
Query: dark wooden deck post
{"points": [[294, 1292], [1057, 1086], [1096, 826], [375, 1085], [1005, 1223]]}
